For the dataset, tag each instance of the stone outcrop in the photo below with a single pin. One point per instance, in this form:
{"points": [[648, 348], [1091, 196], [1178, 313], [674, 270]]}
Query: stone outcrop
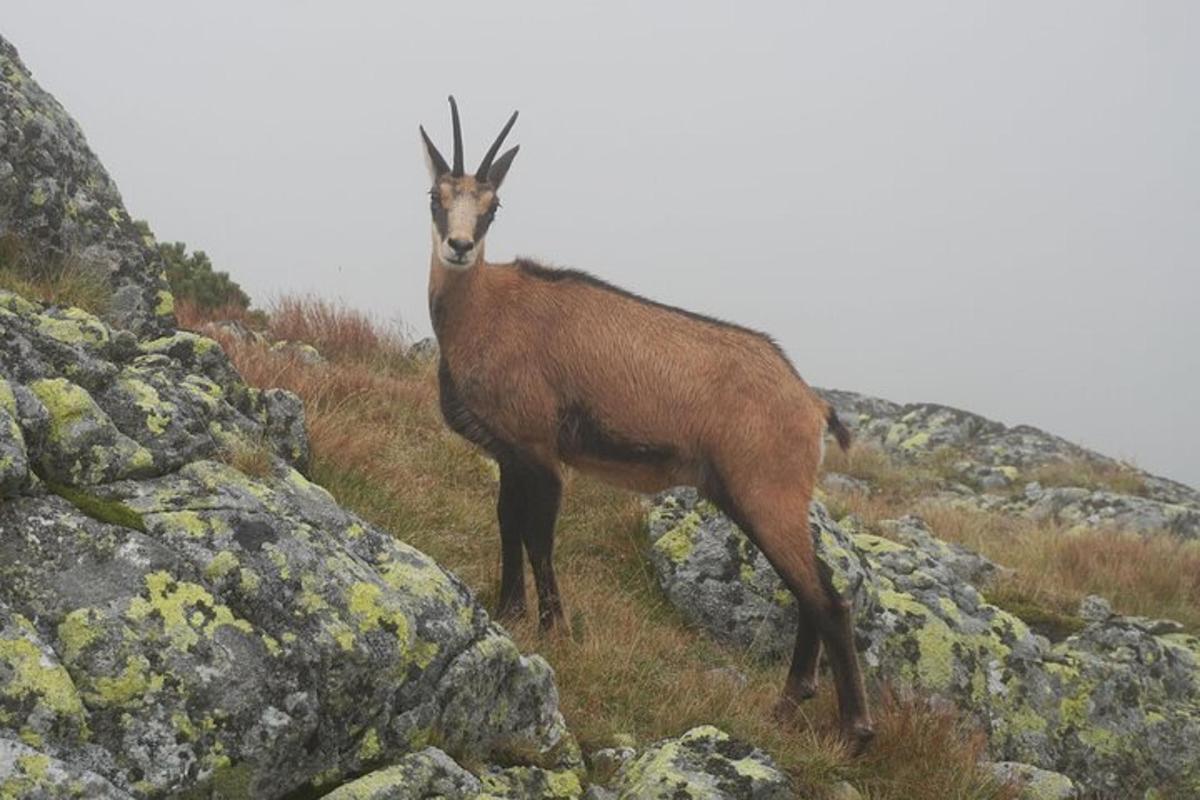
{"points": [[58, 200], [702, 764], [989, 460], [1116, 706], [172, 623]]}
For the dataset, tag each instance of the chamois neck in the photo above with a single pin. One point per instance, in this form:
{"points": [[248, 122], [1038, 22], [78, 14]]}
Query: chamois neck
{"points": [[450, 291]]}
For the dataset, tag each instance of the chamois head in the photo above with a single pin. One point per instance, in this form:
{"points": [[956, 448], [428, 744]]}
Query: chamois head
{"points": [[463, 205]]}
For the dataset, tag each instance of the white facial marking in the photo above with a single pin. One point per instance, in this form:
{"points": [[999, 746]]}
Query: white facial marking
{"points": [[460, 224]]}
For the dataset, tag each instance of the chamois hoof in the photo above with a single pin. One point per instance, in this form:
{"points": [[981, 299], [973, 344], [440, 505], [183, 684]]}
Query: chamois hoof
{"points": [[785, 710], [859, 737], [510, 612]]}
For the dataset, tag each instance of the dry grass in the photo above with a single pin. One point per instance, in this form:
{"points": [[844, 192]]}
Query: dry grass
{"points": [[1090, 475], [629, 667], [63, 281], [1154, 575], [251, 458], [1054, 566], [339, 332]]}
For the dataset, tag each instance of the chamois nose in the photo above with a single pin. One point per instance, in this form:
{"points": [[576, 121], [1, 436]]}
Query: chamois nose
{"points": [[460, 246]]}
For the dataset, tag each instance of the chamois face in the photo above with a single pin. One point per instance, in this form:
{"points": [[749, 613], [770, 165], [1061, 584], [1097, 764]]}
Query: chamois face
{"points": [[462, 206], [462, 210]]}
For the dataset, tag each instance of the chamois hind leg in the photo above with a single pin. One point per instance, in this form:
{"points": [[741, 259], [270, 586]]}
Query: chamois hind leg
{"points": [[806, 658], [776, 519], [512, 510]]}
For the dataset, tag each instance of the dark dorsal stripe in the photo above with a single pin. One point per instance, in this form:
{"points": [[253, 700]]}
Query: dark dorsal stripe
{"points": [[556, 275]]}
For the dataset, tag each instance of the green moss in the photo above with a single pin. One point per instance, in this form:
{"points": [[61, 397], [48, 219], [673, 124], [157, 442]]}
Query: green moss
{"points": [[234, 781], [1054, 625], [112, 512]]}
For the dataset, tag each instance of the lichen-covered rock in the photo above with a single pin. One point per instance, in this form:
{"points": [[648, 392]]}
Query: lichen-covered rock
{"points": [[1099, 508], [1116, 706], [1034, 783], [172, 625], [428, 773], [530, 783], [992, 455], [14, 459], [702, 764], [56, 196], [28, 774]]}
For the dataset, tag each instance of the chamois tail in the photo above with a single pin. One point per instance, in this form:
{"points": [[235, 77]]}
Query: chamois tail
{"points": [[838, 429]]}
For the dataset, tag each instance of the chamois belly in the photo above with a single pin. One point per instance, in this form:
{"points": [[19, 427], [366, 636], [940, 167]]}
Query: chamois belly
{"points": [[586, 443]]}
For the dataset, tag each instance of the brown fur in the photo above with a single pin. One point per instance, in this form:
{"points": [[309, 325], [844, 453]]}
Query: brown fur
{"points": [[544, 367]]}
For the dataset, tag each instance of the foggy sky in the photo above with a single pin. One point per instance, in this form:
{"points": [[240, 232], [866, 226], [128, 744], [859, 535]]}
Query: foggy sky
{"points": [[992, 206]]}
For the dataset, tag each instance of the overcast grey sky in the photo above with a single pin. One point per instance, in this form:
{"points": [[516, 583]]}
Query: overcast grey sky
{"points": [[989, 205]]}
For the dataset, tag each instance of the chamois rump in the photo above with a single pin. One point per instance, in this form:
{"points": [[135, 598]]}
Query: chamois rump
{"points": [[541, 367]]}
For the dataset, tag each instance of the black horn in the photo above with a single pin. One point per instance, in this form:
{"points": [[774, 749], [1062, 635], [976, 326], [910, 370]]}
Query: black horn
{"points": [[458, 149], [485, 166]]}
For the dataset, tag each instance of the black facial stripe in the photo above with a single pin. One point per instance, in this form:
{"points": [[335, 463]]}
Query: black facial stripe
{"points": [[439, 216], [483, 222]]}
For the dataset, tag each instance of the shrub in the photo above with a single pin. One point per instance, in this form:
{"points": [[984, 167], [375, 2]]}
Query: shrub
{"points": [[193, 279]]}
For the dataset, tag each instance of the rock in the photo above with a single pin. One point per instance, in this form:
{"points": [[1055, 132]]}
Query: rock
{"points": [[1116, 706], [607, 761], [427, 773], [989, 455], [531, 783], [300, 351], [232, 329], [843, 790], [424, 350], [1095, 608], [170, 624], [702, 764], [28, 774], [837, 482], [58, 199], [1101, 508], [1034, 783]]}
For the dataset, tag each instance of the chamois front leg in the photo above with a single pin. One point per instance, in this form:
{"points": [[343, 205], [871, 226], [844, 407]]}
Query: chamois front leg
{"points": [[512, 509], [530, 492]]}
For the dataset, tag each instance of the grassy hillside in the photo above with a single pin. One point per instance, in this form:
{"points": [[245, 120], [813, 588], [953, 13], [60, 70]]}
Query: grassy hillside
{"points": [[630, 668]]}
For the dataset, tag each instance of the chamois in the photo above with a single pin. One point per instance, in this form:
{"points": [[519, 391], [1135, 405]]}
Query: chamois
{"points": [[542, 366]]}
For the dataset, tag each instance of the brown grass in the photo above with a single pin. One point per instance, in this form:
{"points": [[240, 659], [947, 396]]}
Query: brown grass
{"points": [[251, 458], [1090, 475], [1151, 575], [630, 667], [62, 281]]}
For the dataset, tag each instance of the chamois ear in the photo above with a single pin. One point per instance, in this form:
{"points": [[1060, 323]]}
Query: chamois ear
{"points": [[433, 159], [499, 169]]}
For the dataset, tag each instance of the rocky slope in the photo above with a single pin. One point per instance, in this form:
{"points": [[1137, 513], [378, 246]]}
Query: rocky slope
{"points": [[1116, 707], [169, 623], [57, 197], [989, 464]]}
